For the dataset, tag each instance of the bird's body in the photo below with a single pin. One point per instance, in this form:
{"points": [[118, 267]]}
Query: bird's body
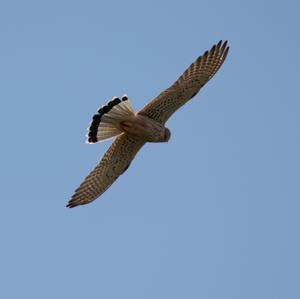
{"points": [[145, 129], [132, 130]]}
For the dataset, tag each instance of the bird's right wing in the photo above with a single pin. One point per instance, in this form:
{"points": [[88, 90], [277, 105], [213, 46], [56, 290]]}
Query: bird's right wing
{"points": [[114, 162], [187, 85]]}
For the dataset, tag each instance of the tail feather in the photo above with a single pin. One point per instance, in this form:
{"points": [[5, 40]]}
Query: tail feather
{"points": [[106, 123]]}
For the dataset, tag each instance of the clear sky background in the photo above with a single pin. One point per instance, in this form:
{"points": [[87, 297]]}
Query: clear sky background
{"points": [[212, 214]]}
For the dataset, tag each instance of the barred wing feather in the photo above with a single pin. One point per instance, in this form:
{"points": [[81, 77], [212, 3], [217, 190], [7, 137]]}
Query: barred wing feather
{"points": [[114, 162], [187, 85]]}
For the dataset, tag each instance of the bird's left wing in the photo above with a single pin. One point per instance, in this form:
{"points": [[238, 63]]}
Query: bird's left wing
{"points": [[187, 85], [114, 162]]}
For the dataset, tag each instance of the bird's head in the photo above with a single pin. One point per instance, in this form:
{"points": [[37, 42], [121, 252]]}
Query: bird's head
{"points": [[167, 135]]}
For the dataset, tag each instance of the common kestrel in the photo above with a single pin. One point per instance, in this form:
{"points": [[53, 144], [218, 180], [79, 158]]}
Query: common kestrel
{"points": [[132, 130]]}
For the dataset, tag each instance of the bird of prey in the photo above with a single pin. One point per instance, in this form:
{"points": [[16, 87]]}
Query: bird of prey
{"points": [[133, 129]]}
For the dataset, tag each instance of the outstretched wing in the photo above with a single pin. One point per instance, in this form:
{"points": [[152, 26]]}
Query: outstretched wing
{"points": [[187, 85], [114, 162]]}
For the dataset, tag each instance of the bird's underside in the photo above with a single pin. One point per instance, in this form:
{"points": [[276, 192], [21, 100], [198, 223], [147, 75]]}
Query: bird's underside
{"points": [[132, 130]]}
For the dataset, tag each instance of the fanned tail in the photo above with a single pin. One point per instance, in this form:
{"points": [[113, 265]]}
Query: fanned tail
{"points": [[106, 123]]}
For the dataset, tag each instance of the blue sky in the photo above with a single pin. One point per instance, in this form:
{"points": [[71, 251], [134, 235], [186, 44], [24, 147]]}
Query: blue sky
{"points": [[213, 214]]}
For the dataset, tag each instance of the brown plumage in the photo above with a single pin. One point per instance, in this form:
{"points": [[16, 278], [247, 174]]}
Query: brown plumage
{"points": [[115, 161], [187, 85], [133, 130]]}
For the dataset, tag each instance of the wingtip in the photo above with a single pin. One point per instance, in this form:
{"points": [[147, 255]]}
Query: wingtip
{"points": [[71, 204], [224, 44], [221, 42], [74, 202], [222, 47], [68, 205], [226, 51]]}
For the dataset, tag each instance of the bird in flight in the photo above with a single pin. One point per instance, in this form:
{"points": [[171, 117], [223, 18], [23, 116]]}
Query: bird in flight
{"points": [[133, 129]]}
